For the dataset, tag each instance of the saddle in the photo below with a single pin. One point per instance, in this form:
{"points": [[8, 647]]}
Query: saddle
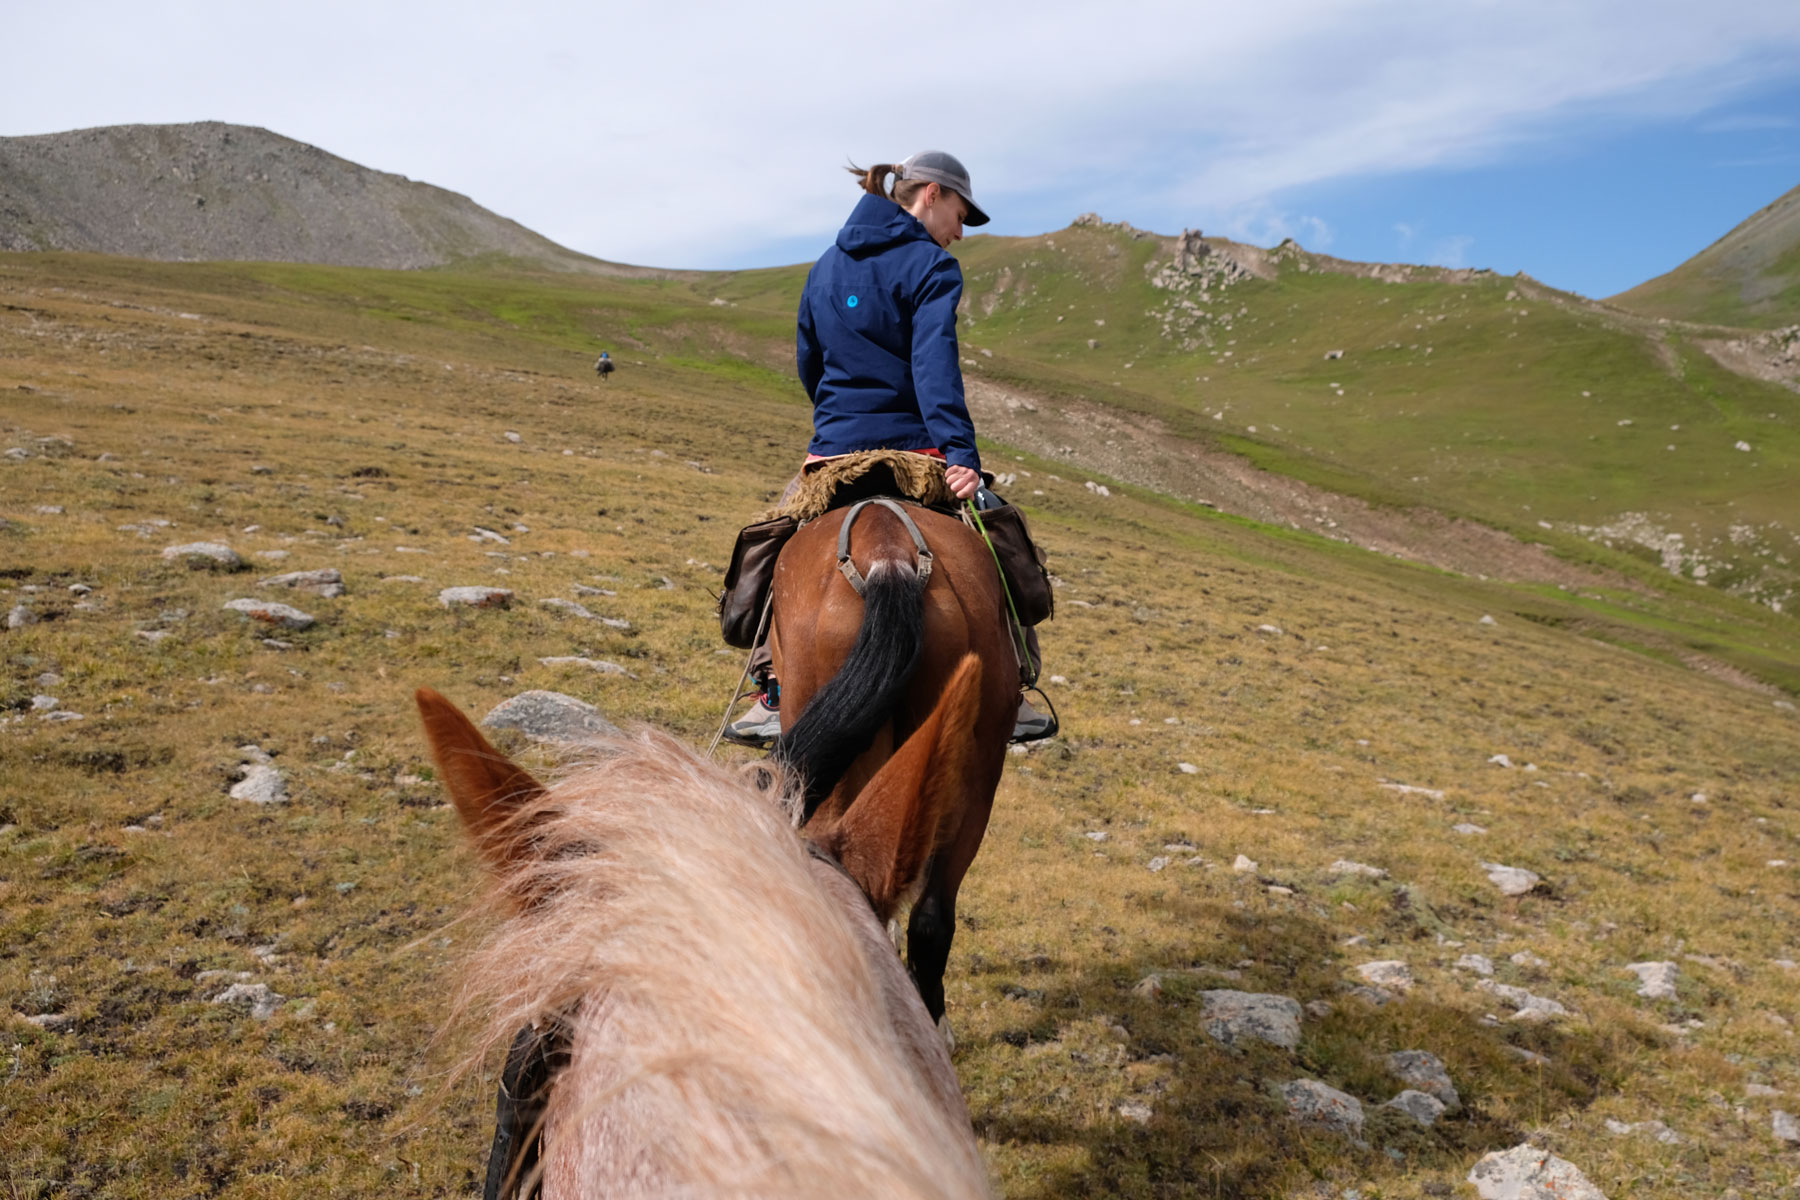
{"points": [[849, 480]]}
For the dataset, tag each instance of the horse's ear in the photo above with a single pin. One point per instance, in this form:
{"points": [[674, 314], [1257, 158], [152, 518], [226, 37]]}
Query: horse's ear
{"points": [[895, 824], [488, 789]]}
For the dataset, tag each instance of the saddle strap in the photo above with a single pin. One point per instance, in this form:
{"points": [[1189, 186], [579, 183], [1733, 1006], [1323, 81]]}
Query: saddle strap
{"points": [[848, 568]]}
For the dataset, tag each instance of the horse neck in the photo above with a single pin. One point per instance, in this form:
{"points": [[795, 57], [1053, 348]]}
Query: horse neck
{"points": [[739, 1022]]}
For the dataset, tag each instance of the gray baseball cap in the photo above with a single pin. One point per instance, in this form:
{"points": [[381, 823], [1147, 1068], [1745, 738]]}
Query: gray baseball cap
{"points": [[934, 166]]}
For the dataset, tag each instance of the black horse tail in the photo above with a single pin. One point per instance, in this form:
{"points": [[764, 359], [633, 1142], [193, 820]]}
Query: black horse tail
{"points": [[843, 717]]}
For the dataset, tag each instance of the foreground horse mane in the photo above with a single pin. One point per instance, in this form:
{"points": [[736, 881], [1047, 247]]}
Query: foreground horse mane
{"points": [[739, 1030]]}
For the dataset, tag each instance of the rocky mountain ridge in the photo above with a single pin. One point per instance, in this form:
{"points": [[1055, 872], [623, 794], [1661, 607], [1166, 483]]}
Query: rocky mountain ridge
{"points": [[215, 191]]}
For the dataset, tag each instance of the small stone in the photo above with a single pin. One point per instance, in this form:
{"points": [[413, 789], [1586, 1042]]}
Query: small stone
{"points": [[550, 717], [44, 703], [1478, 963], [1656, 980], [1512, 881], [1187, 768], [153, 635], [1344, 866], [475, 597], [1095, 835], [20, 616], [1527, 1173], [267, 612], [1425, 1072], [1467, 829], [1420, 1107], [1656, 1129], [489, 535], [326, 581], [1528, 1056], [1235, 1017], [1149, 987], [258, 997], [1243, 865], [1530, 1007], [1320, 1009], [255, 754], [1388, 973], [1487, 620], [260, 784], [212, 554], [1133, 1110], [1526, 958], [567, 606], [1159, 862], [1313, 1103], [1760, 1091], [1501, 760], [512, 437], [597, 665], [52, 1022], [1786, 1128]]}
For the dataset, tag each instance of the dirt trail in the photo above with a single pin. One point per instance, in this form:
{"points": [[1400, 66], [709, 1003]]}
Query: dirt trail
{"points": [[1141, 450]]}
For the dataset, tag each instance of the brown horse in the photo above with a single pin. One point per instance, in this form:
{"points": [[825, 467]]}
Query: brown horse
{"points": [[860, 673], [733, 1017]]}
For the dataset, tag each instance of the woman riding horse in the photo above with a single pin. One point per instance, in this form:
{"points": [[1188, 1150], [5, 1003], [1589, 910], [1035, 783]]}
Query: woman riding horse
{"points": [[877, 353]]}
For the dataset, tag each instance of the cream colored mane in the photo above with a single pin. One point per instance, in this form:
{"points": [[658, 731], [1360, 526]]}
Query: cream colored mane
{"points": [[741, 1024]]}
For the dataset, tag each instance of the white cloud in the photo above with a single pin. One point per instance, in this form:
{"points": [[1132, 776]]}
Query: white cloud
{"points": [[711, 133], [1406, 233]]}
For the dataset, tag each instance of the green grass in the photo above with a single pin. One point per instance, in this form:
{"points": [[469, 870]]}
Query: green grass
{"points": [[358, 886]]}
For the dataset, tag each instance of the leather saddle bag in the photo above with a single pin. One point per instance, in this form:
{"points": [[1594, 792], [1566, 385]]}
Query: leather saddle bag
{"points": [[1021, 563], [748, 578]]}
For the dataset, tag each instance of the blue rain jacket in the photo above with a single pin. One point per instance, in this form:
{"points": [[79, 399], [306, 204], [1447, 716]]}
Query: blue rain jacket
{"points": [[877, 340]]}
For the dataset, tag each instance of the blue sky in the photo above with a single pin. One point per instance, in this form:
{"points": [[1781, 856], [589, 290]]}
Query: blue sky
{"points": [[1590, 143]]}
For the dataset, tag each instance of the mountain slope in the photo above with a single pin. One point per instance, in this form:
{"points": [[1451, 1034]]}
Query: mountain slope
{"points": [[212, 191], [1749, 277]]}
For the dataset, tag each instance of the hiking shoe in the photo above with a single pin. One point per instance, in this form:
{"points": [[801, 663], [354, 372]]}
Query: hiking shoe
{"points": [[757, 728], [1031, 725]]}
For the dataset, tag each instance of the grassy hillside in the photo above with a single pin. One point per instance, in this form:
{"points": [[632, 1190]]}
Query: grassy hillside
{"points": [[360, 420], [1750, 277]]}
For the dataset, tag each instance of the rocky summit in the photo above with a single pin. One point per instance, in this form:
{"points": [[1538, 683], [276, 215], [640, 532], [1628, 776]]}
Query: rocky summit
{"points": [[213, 191]]}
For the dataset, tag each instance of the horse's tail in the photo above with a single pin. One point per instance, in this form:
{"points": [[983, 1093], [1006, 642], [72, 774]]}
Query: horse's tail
{"points": [[843, 717]]}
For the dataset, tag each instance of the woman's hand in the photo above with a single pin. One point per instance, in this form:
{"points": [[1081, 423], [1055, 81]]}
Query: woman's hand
{"points": [[963, 481]]}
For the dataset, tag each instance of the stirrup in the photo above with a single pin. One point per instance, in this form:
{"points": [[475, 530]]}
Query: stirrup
{"points": [[1049, 731]]}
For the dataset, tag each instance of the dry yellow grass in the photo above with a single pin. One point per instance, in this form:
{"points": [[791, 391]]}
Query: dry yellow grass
{"points": [[381, 433]]}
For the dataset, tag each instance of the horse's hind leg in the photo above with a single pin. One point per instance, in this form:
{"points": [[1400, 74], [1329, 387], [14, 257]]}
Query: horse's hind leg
{"points": [[928, 934], [932, 925]]}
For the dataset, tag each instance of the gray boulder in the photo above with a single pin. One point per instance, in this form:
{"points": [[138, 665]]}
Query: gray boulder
{"points": [[1512, 881], [259, 998], [267, 612], [1656, 980], [1237, 1017], [475, 597], [205, 554], [260, 784], [1425, 1071], [326, 581], [550, 717], [1312, 1103], [1527, 1173], [1421, 1107]]}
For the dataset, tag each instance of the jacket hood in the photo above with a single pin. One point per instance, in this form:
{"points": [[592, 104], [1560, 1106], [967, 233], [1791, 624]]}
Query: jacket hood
{"points": [[877, 223]]}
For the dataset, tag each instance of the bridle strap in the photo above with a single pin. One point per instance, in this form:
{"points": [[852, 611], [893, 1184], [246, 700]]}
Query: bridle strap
{"points": [[848, 568]]}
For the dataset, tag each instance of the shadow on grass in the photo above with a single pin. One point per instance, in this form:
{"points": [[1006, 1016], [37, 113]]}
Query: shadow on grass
{"points": [[1218, 1128]]}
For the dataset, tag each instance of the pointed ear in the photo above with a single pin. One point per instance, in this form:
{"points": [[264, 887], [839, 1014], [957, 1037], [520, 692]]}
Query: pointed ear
{"points": [[895, 824], [488, 789]]}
